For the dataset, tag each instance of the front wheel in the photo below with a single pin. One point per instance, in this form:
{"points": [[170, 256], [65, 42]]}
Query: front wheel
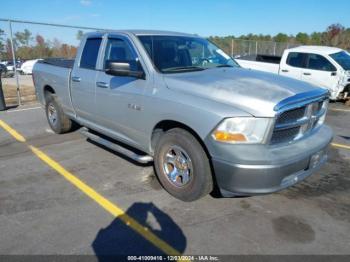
{"points": [[182, 165]]}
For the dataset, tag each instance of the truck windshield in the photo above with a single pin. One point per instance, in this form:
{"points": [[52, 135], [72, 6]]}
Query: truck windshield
{"points": [[343, 59], [174, 54]]}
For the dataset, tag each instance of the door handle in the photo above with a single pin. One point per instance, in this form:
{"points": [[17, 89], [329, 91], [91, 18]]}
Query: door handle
{"points": [[285, 70], [307, 74], [76, 79], [102, 84]]}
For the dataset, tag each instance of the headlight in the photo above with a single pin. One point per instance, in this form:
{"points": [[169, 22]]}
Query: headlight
{"points": [[242, 130]]}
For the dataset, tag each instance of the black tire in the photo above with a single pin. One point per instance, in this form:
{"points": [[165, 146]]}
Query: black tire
{"points": [[201, 181], [62, 124]]}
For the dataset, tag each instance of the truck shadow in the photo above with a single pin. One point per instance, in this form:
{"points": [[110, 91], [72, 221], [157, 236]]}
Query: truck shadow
{"points": [[120, 239]]}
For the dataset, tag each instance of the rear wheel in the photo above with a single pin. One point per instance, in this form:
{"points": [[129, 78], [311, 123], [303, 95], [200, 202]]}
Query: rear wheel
{"points": [[182, 165], [58, 121]]}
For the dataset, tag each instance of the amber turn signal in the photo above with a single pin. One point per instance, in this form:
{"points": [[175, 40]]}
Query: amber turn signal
{"points": [[228, 137]]}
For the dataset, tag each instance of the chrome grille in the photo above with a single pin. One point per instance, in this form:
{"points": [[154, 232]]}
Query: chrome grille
{"points": [[294, 123]]}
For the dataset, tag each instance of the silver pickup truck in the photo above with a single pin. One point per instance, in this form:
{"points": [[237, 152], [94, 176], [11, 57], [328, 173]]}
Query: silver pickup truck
{"points": [[178, 100]]}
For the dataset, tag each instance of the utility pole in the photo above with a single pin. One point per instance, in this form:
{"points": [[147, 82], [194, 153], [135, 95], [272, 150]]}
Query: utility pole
{"points": [[14, 63], [232, 47]]}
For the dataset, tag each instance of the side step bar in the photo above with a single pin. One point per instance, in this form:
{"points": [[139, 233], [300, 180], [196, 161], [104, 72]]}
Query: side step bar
{"points": [[117, 148]]}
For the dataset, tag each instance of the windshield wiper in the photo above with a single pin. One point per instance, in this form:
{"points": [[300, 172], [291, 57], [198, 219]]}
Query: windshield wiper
{"points": [[184, 68]]}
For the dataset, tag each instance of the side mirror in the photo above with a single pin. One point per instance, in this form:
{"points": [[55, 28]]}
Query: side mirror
{"points": [[333, 73], [118, 68]]}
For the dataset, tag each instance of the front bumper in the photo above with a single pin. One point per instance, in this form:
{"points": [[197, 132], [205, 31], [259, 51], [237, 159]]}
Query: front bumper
{"points": [[262, 169]]}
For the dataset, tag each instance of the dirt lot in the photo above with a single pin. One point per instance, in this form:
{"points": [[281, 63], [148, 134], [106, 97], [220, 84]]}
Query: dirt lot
{"points": [[69, 196], [26, 89]]}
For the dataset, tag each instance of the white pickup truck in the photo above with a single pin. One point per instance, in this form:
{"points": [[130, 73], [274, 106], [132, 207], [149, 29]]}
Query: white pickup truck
{"points": [[326, 67]]}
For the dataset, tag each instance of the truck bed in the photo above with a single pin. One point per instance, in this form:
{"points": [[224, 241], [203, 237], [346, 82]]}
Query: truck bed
{"points": [[60, 62], [54, 73], [262, 58], [266, 63]]}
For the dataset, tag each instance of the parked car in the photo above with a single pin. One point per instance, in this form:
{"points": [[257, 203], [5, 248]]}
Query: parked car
{"points": [[19, 66], [202, 123], [9, 65], [323, 66], [27, 66], [4, 72]]}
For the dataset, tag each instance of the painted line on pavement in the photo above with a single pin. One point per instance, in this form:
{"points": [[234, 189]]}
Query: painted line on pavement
{"points": [[338, 109], [94, 195], [23, 109], [341, 146], [12, 132]]}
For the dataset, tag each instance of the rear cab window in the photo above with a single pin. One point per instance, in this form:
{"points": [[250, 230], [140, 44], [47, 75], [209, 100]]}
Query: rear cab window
{"points": [[296, 59], [90, 53]]}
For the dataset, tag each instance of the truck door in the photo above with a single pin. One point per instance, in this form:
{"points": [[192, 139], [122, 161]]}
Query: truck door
{"points": [[320, 71], [292, 65], [83, 80], [119, 103]]}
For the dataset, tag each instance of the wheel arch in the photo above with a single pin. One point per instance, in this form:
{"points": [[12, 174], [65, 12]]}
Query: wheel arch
{"points": [[47, 89], [165, 125]]}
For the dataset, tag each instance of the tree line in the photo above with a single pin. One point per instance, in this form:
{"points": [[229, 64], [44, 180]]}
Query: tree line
{"points": [[335, 35], [29, 46]]}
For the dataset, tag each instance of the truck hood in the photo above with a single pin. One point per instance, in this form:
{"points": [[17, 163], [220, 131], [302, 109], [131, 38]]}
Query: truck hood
{"points": [[254, 92]]}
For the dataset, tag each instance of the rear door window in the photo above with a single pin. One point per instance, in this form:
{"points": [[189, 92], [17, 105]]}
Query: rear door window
{"points": [[90, 53], [296, 59], [318, 62]]}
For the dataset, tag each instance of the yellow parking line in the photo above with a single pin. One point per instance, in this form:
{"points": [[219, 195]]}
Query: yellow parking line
{"points": [[94, 195], [105, 203], [338, 109], [341, 146], [12, 132]]}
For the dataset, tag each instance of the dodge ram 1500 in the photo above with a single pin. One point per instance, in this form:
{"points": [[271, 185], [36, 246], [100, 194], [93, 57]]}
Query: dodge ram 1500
{"points": [[178, 100]]}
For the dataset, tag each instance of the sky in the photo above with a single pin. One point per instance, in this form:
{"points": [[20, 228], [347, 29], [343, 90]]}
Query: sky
{"points": [[203, 17]]}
